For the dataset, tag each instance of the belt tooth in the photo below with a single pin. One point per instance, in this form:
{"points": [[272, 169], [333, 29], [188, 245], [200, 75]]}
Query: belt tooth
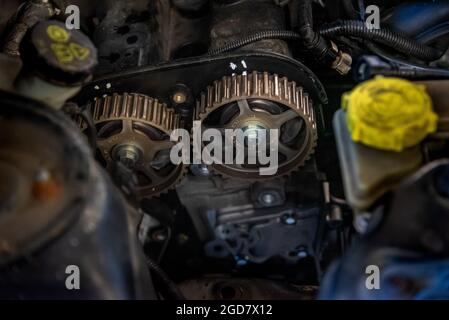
{"points": [[298, 100], [141, 108], [255, 84], [221, 94], [291, 93], [216, 92], [121, 102], [126, 111], [119, 106], [99, 106], [96, 109], [168, 115], [133, 109], [227, 88], [106, 109], [266, 84], [163, 117], [153, 110], [210, 96], [111, 101], [312, 117], [235, 87], [245, 85], [306, 103], [171, 120], [277, 91], [122, 106], [132, 112], [114, 109], [158, 119], [149, 113], [145, 109], [294, 92], [286, 92], [104, 103]]}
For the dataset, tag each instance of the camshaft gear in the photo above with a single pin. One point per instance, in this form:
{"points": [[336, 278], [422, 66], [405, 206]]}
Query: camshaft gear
{"points": [[261, 101], [135, 129]]}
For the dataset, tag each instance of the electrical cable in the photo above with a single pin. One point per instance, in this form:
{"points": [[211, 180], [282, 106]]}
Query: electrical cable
{"points": [[386, 37]]}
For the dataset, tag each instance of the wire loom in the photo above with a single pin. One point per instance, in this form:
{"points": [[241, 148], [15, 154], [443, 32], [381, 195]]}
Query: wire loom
{"points": [[345, 28]]}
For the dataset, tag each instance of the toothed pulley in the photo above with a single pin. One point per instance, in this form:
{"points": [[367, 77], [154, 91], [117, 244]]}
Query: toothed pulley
{"points": [[135, 129], [261, 101]]}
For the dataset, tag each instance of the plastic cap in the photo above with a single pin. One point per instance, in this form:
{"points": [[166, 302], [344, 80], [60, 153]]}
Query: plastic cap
{"points": [[389, 113], [59, 55]]}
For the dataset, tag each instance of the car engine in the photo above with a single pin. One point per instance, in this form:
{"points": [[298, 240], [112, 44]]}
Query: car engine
{"points": [[356, 93]]}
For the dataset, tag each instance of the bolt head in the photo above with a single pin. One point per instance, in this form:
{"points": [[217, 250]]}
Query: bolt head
{"points": [[179, 97], [268, 198], [241, 261], [288, 220]]}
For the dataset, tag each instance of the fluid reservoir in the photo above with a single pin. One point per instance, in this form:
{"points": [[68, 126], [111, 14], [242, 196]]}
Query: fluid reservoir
{"points": [[378, 133], [389, 114], [56, 63]]}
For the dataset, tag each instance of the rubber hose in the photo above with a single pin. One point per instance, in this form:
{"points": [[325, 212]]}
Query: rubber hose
{"points": [[386, 37], [263, 35], [405, 69], [348, 28], [312, 40], [172, 290]]}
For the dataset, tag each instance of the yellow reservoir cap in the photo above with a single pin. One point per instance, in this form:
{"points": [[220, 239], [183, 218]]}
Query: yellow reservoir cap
{"points": [[389, 113]]}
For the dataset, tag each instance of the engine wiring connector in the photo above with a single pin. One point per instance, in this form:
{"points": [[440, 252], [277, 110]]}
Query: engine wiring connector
{"points": [[343, 62]]}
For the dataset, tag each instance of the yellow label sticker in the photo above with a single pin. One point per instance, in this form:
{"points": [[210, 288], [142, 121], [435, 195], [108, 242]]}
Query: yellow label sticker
{"points": [[58, 34], [80, 52], [66, 53], [62, 53]]}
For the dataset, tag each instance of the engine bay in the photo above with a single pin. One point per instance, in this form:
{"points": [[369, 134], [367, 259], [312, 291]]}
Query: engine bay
{"points": [[131, 144]]}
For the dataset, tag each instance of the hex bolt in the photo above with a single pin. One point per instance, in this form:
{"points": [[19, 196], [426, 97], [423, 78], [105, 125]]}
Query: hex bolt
{"points": [[179, 97], [268, 198], [288, 219]]}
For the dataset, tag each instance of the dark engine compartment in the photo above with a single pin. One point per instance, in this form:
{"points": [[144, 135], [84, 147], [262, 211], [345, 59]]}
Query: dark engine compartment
{"points": [[143, 69]]}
